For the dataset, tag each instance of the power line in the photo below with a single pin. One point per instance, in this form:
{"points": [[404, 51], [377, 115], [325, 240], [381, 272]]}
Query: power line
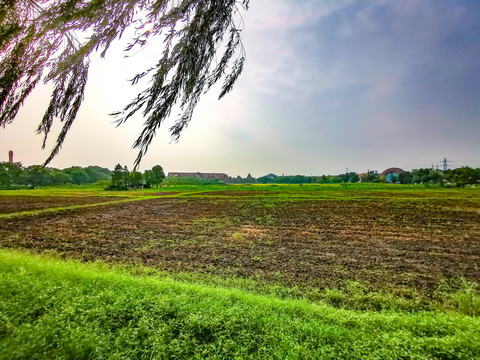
{"points": [[445, 164]]}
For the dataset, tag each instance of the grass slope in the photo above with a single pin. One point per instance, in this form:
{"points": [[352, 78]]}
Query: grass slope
{"points": [[55, 309]]}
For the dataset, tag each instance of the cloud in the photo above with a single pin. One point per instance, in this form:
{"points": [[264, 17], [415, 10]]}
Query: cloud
{"points": [[267, 15], [327, 84]]}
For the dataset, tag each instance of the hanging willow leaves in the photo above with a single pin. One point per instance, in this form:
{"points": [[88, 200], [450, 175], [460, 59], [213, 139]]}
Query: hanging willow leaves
{"points": [[39, 41]]}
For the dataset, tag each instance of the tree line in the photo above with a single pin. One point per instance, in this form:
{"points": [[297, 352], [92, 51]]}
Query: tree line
{"points": [[123, 179], [15, 175], [459, 177]]}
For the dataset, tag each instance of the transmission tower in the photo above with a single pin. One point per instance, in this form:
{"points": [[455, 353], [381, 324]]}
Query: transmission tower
{"points": [[445, 164]]}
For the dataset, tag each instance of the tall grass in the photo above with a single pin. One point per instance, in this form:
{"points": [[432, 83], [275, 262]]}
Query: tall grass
{"points": [[55, 309]]}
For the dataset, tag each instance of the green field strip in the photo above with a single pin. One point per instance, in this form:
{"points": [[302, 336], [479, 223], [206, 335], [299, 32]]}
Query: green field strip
{"points": [[57, 309], [58, 209], [198, 195], [292, 197]]}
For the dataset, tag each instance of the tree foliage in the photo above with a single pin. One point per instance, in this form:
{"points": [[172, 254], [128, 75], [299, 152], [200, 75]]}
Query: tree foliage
{"points": [[154, 176], [52, 41], [118, 177], [463, 176], [17, 176]]}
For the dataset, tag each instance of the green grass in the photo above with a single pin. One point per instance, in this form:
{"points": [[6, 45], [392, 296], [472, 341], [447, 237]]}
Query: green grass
{"points": [[453, 295], [360, 191], [55, 309], [59, 209]]}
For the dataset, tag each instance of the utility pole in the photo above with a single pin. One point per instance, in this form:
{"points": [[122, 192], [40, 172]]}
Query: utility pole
{"points": [[445, 164]]}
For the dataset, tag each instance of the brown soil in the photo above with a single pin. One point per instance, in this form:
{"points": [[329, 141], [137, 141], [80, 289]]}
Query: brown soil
{"points": [[11, 204], [246, 193], [314, 242]]}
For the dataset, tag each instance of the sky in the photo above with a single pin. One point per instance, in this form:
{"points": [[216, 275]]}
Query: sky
{"points": [[329, 85]]}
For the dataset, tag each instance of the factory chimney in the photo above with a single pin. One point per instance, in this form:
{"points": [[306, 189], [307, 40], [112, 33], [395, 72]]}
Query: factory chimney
{"points": [[10, 157]]}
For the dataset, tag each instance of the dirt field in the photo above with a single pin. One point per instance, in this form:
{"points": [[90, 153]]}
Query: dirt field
{"points": [[314, 242], [11, 204]]}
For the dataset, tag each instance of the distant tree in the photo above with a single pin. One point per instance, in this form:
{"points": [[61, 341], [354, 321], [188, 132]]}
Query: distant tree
{"points": [[37, 175], [265, 180], [125, 174], [135, 179], [97, 173], [405, 177], [59, 177], [353, 178], [118, 179], [463, 176], [325, 179], [148, 177], [10, 174], [158, 174], [5, 178], [426, 175], [154, 176], [78, 175], [350, 177], [371, 177]]}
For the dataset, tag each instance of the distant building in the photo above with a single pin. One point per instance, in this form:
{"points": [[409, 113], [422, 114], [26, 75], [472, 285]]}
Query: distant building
{"points": [[10, 157], [205, 176], [391, 172]]}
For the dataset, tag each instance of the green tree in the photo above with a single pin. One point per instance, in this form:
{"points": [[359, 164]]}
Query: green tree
{"points": [[156, 175], [58, 37], [59, 177], [78, 175], [135, 179], [463, 176], [37, 175], [371, 177], [426, 175], [97, 173], [125, 174], [118, 179], [10, 174], [350, 177], [5, 179], [405, 177]]}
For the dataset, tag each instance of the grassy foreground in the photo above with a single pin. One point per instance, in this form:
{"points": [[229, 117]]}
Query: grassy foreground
{"points": [[55, 309]]}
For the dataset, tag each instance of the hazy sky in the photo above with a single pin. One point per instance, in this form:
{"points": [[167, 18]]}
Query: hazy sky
{"points": [[327, 85]]}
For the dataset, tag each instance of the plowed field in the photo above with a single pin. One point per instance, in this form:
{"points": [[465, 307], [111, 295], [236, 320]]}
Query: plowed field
{"points": [[11, 204], [412, 242]]}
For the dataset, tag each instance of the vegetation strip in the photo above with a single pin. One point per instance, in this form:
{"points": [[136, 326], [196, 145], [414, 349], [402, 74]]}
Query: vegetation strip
{"points": [[55, 309], [69, 208], [58, 209]]}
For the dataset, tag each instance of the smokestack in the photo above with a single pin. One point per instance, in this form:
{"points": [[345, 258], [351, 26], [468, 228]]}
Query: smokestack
{"points": [[10, 157]]}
